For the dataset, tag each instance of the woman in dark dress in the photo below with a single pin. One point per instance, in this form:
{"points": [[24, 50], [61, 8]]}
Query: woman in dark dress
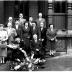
{"points": [[51, 39], [26, 33]]}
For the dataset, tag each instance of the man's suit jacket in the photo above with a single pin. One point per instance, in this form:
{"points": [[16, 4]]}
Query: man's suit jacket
{"points": [[34, 31], [42, 20], [42, 33], [18, 30]]}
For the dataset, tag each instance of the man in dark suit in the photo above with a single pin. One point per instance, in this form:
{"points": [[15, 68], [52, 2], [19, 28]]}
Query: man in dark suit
{"points": [[40, 19], [42, 36], [34, 29], [21, 19], [30, 21], [18, 28]]}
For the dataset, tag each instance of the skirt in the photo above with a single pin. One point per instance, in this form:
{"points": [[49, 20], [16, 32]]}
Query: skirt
{"points": [[3, 50]]}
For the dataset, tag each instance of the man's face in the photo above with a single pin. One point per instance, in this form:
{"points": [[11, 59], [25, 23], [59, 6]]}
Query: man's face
{"points": [[35, 37], [10, 19], [30, 19], [40, 15], [21, 15]]}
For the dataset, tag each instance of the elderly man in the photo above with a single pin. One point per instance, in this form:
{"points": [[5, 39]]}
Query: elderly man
{"points": [[40, 19], [30, 21], [21, 19], [10, 20]]}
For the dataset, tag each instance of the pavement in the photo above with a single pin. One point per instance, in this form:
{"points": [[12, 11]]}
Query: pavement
{"points": [[61, 62]]}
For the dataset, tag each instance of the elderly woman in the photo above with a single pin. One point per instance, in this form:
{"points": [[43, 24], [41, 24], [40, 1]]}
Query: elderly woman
{"points": [[3, 43], [36, 48], [51, 38]]}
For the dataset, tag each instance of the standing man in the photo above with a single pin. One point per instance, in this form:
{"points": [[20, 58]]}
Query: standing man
{"points": [[10, 20], [18, 29], [40, 19], [30, 21], [21, 19], [51, 39]]}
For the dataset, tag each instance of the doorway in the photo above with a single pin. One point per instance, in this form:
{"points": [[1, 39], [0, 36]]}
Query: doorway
{"points": [[21, 7]]}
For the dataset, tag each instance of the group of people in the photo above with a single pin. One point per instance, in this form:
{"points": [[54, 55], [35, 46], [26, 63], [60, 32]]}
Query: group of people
{"points": [[33, 36]]}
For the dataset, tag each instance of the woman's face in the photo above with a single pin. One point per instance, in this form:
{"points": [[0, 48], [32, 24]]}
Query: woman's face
{"points": [[33, 24], [35, 37], [26, 24], [1, 27]]}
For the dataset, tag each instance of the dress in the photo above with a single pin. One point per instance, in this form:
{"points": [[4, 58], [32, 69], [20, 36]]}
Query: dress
{"points": [[26, 38], [51, 43], [3, 43], [11, 34]]}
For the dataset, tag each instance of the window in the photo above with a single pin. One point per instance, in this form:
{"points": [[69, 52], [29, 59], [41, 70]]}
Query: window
{"points": [[60, 6]]}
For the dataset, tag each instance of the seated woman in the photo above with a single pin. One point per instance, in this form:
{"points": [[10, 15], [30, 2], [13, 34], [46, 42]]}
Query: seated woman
{"points": [[18, 53], [36, 47]]}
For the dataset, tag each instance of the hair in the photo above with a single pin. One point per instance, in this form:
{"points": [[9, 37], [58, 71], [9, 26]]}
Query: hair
{"points": [[20, 13], [50, 24], [26, 22], [34, 22]]}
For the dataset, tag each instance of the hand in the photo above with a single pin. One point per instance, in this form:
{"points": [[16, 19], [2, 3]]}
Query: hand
{"points": [[52, 39], [42, 39], [56, 40], [37, 49]]}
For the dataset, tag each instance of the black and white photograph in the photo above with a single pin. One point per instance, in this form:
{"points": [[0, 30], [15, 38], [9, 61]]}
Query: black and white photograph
{"points": [[35, 35]]}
